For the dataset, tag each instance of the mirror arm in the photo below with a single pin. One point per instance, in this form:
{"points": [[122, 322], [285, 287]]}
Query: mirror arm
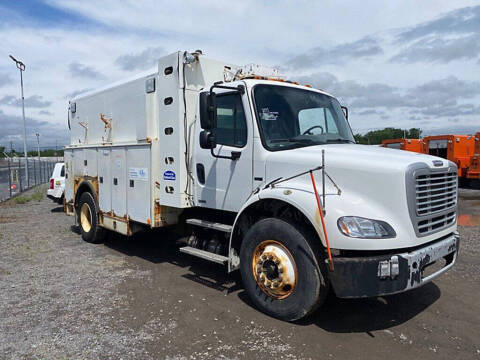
{"points": [[235, 155], [346, 111]]}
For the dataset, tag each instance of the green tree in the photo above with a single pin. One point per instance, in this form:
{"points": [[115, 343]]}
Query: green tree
{"points": [[375, 137]]}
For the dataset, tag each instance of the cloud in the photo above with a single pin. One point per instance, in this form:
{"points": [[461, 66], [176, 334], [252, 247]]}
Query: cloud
{"points": [[462, 21], [140, 61], [77, 92], [371, 112], [83, 71], [432, 99], [337, 55], [45, 112], [34, 101], [453, 36], [5, 79], [434, 49], [12, 130]]}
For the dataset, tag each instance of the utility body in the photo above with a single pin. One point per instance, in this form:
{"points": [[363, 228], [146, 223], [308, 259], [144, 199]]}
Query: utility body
{"points": [[261, 175]]}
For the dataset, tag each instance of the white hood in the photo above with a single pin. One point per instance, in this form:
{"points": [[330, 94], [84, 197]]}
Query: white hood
{"points": [[372, 181]]}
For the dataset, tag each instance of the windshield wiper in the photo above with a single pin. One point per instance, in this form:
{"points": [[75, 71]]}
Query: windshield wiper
{"points": [[303, 140], [340, 141]]}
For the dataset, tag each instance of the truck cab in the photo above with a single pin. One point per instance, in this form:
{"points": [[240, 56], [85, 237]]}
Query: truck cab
{"points": [[264, 176]]}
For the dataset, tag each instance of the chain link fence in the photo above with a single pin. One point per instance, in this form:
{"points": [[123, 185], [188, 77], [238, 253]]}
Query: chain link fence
{"points": [[13, 179]]}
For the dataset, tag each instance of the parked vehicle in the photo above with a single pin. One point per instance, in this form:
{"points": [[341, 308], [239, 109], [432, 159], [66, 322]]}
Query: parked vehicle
{"points": [[56, 189], [456, 148], [262, 175], [415, 145], [473, 172]]}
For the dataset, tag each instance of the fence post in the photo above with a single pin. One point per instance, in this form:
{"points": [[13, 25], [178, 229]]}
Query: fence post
{"points": [[20, 174], [9, 177]]}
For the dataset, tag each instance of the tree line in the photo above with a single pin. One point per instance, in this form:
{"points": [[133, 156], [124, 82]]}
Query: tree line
{"points": [[375, 137], [33, 153]]}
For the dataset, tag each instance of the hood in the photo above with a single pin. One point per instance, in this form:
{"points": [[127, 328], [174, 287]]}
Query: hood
{"points": [[373, 182], [349, 161]]}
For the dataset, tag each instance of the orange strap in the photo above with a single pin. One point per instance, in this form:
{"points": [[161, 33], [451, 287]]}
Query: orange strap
{"points": [[320, 210]]}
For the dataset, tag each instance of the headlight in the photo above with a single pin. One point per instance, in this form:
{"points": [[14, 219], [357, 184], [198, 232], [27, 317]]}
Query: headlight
{"points": [[358, 227]]}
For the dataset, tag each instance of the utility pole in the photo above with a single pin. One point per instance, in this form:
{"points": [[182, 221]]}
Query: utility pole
{"points": [[11, 147], [38, 145], [21, 67]]}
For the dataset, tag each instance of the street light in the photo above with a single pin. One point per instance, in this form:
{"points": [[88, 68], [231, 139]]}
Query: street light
{"points": [[21, 67]]}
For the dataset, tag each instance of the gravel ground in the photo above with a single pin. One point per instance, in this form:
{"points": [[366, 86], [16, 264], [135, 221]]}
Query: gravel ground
{"points": [[61, 298]]}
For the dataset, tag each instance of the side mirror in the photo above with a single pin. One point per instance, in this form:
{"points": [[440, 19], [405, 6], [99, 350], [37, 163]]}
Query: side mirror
{"points": [[345, 111], [208, 110], [207, 140]]}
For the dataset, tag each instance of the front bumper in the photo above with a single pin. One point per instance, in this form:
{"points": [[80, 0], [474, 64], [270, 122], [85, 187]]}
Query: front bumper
{"points": [[355, 277]]}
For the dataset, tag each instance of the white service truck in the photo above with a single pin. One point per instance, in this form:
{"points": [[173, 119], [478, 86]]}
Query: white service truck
{"points": [[262, 175]]}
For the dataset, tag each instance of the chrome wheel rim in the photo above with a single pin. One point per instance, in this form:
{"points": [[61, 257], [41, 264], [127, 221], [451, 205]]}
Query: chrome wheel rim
{"points": [[274, 269]]}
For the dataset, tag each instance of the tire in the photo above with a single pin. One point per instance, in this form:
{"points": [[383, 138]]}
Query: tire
{"points": [[88, 219], [285, 247]]}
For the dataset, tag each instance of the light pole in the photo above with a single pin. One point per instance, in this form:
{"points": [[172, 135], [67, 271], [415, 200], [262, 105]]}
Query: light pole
{"points": [[38, 145], [21, 67]]}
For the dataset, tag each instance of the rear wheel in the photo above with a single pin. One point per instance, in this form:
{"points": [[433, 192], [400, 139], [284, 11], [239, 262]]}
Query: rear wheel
{"points": [[88, 219], [280, 270]]}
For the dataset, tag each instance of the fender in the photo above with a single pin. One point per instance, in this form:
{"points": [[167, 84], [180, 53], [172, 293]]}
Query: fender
{"points": [[85, 181], [302, 200]]}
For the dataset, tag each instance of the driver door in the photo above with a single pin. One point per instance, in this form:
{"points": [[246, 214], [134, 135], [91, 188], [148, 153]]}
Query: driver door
{"points": [[226, 184]]}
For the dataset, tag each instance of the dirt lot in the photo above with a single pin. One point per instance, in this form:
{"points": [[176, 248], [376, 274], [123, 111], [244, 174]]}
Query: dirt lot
{"points": [[61, 298]]}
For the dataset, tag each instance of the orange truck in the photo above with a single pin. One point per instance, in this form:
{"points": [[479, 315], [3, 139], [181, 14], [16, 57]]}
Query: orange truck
{"points": [[473, 172], [415, 145], [457, 148]]}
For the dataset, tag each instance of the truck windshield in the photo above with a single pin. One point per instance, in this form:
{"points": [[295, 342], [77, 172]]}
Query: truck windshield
{"points": [[292, 117]]}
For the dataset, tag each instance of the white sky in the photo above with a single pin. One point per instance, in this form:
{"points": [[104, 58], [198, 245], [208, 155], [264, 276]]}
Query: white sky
{"points": [[395, 63]]}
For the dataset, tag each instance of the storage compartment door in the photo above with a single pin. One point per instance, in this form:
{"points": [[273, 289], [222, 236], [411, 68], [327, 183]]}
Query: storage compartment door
{"points": [[138, 184], [105, 183], [118, 182]]}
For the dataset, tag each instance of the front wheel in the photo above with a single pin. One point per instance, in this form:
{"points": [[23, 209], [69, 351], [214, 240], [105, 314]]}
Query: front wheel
{"points": [[88, 219], [280, 271]]}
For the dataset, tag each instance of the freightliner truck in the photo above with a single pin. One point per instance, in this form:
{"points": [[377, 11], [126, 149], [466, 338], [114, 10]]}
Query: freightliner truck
{"points": [[262, 175]]}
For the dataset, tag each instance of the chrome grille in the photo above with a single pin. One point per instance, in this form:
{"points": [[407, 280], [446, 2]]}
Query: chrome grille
{"points": [[435, 192], [432, 197], [436, 223]]}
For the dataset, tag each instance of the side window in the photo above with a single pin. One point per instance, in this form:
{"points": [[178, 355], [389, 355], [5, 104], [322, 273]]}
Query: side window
{"points": [[231, 127], [62, 172]]}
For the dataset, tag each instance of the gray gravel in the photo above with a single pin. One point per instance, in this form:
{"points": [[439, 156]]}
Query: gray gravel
{"points": [[61, 298]]}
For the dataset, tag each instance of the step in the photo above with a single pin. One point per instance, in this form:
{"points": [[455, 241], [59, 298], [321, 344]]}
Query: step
{"points": [[206, 255], [210, 225]]}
